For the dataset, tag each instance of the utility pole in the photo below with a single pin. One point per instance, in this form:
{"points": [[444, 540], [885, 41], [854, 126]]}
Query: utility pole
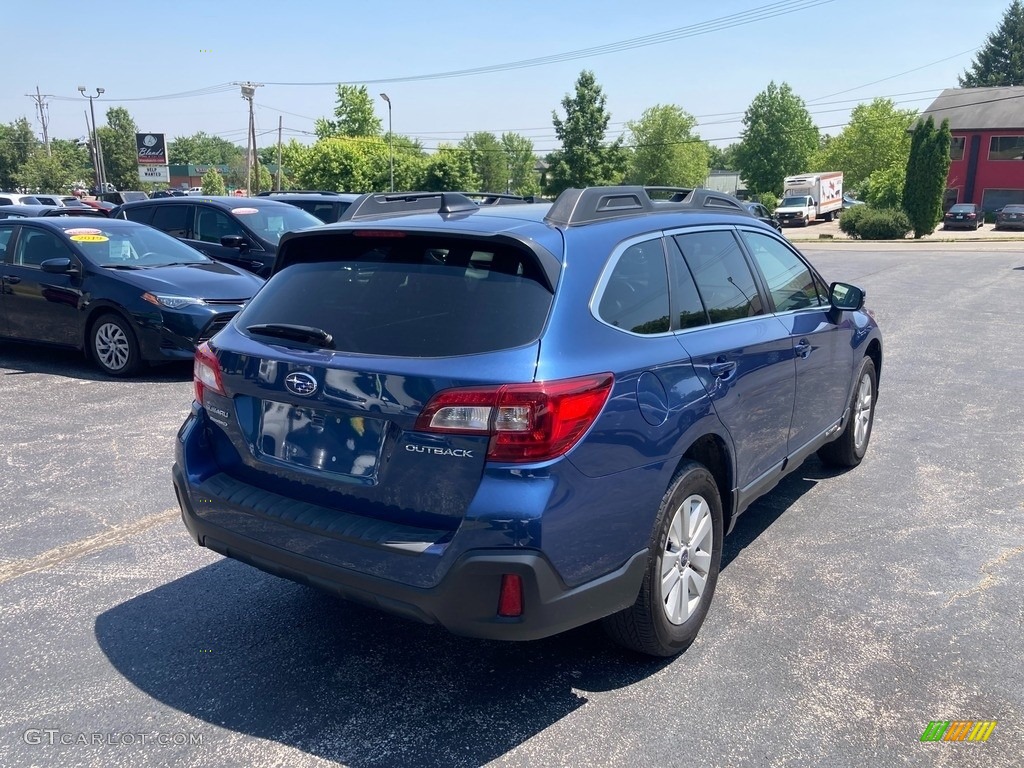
{"points": [[42, 108], [280, 128], [248, 92]]}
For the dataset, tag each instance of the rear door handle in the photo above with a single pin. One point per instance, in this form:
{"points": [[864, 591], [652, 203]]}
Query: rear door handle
{"points": [[723, 369], [12, 279]]}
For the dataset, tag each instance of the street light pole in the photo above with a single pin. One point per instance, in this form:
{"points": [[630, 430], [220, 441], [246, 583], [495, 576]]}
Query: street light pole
{"points": [[391, 142], [97, 150]]}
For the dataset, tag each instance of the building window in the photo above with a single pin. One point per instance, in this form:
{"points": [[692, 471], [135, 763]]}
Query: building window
{"points": [[1006, 148], [956, 148], [995, 199]]}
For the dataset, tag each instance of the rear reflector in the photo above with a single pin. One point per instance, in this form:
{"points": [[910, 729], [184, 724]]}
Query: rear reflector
{"points": [[510, 602], [526, 422]]}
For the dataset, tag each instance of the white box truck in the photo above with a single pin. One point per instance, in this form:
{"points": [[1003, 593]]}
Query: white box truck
{"points": [[810, 196]]}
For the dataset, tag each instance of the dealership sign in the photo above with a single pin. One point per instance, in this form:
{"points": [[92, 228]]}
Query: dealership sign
{"points": [[152, 148], [154, 173]]}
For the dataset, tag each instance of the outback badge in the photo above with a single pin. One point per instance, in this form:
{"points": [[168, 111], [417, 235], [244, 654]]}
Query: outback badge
{"points": [[300, 383]]}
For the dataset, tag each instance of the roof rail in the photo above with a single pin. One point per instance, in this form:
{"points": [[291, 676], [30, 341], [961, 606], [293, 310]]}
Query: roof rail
{"points": [[297, 192], [585, 206], [375, 204]]}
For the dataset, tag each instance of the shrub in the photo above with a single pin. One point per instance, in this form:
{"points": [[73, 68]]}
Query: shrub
{"points": [[875, 223], [849, 218], [768, 200], [213, 183]]}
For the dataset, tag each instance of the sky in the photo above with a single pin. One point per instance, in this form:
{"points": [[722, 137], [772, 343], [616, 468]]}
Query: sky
{"points": [[172, 65]]}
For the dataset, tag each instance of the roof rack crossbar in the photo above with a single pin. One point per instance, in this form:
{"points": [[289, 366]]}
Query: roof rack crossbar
{"points": [[585, 206], [375, 204], [267, 193]]}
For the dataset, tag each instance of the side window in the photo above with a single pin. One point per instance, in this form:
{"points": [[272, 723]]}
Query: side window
{"points": [[172, 219], [684, 291], [5, 238], [142, 214], [636, 296], [723, 278], [35, 246], [212, 225], [790, 282]]}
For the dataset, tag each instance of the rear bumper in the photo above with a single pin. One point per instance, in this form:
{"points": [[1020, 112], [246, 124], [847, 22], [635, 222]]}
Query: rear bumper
{"points": [[320, 548]]}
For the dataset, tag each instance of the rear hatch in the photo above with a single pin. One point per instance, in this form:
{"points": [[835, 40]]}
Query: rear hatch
{"points": [[324, 376]]}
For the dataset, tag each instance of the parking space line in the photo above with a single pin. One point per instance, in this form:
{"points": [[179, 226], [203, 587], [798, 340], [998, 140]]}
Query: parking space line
{"points": [[100, 541]]}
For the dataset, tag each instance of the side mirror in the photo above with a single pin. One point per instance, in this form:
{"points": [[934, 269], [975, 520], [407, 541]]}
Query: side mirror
{"points": [[235, 241], [846, 297], [61, 266]]}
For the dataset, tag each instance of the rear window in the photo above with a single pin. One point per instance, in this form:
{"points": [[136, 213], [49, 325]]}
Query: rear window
{"points": [[410, 296]]}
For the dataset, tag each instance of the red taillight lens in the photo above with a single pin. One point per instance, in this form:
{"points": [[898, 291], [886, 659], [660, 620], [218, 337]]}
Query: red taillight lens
{"points": [[510, 601], [526, 422], [206, 372]]}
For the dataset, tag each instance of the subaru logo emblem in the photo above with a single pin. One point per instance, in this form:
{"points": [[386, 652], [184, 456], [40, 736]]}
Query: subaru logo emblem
{"points": [[299, 383]]}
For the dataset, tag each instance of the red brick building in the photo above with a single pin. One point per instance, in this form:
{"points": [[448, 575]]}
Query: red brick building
{"points": [[987, 151]]}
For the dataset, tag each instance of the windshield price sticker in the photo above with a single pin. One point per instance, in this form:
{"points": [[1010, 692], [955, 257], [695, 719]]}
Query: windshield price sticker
{"points": [[89, 238]]}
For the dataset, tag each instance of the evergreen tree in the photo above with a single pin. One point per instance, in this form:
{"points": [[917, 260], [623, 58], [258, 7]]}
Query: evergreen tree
{"points": [[1001, 61], [213, 183], [927, 169]]}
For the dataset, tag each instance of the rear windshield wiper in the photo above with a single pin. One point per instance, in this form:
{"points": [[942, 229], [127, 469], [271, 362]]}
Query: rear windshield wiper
{"points": [[302, 333]]}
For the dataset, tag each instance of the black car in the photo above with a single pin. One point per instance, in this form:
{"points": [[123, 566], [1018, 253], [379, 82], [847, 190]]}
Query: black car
{"points": [[26, 211], [243, 231], [122, 292], [167, 193], [758, 211], [1010, 217], [326, 206], [963, 216]]}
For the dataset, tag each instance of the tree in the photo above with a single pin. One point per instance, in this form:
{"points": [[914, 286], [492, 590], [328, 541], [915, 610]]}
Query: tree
{"points": [[1001, 60], [666, 151], [488, 160], [213, 183], [927, 169], [120, 156], [884, 187], [345, 165], [17, 143], [723, 158], [239, 175], [523, 179], [449, 169], [585, 160], [877, 137], [778, 140], [202, 149], [66, 164], [354, 115]]}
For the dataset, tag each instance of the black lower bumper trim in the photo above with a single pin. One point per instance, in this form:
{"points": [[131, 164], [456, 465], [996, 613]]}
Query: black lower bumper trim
{"points": [[465, 601]]}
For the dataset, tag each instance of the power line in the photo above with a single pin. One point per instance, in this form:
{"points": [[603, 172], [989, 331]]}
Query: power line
{"points": [[742, 18]]}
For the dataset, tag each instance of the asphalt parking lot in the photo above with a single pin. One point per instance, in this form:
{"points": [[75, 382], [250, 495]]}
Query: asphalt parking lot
{"points": [[852, 610]]}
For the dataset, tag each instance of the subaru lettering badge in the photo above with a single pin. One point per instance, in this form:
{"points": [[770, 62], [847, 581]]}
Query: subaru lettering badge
{"points": [[300, 383]]}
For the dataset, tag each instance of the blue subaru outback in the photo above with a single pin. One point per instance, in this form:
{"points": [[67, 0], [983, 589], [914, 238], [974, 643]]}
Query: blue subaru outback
{"points": [[512, 420]]}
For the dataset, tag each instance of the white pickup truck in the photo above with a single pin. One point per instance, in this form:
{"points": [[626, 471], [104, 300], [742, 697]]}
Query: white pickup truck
{"points": [[809, 197]]}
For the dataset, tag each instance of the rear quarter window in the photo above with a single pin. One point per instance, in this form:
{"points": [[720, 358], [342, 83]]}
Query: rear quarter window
{"points": [[410, 296]]}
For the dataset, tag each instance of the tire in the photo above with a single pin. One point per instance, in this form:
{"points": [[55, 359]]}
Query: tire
{"points": [[685, 554], [849, 448], [113, 346]]}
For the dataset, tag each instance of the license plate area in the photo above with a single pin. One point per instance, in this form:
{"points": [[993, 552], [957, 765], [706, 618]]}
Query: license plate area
{"points": [[319, 440]]}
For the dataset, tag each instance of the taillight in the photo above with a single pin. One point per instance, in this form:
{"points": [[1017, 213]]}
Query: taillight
{"points": [[526, 422], [206, 372]]}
